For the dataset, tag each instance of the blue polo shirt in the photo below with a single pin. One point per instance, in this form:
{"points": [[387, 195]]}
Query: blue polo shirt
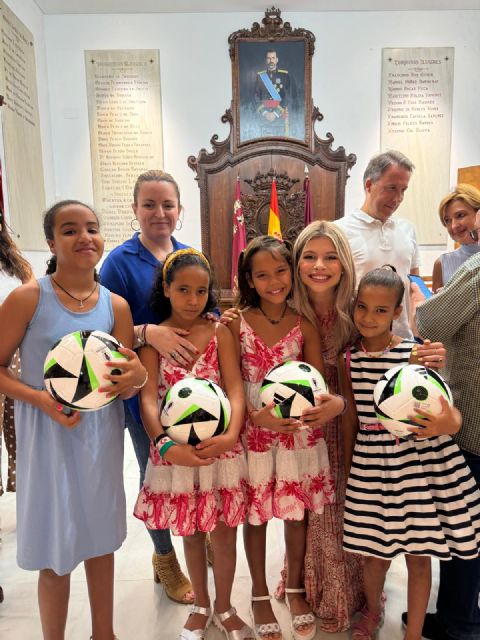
{"points": [[129, 271]]}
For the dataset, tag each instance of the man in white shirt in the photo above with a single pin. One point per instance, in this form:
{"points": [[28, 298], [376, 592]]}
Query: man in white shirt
{"points": [[374, 236]]}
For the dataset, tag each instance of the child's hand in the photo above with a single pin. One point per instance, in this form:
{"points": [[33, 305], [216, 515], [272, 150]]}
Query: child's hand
{"points": [[430, 354], [56, 411], [229, 315], [263, 418], [327, 406], [170, 344], [185, 455], [214, 447], [133, 374], [447, 422]]}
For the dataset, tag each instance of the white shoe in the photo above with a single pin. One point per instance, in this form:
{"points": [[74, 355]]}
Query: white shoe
{"points": [[266, 629], [245, 633], [301, 620], [197, 634]]}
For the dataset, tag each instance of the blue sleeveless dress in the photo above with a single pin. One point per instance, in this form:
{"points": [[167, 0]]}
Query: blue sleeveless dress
{"points": [[70, 495]]}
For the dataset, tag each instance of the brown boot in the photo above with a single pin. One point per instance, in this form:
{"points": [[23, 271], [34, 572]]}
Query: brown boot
{"points": [[166, 570]]}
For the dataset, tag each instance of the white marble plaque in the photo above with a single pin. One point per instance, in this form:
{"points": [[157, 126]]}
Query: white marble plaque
{"points": [[124, 108], [23, 169], [416, 119]]}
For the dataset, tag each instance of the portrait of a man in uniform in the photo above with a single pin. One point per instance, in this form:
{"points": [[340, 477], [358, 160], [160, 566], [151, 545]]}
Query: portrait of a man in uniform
{"points": [[272, 90]]}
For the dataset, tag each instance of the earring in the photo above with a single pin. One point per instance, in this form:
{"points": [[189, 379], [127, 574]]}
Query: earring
{"points": [[179, 224], [132, 224]]}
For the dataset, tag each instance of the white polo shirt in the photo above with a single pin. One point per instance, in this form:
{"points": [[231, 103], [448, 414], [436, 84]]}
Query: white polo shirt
{"points": [[375, 243]]}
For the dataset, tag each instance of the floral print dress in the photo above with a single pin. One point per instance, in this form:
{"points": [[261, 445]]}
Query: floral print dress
{"points": [[189, 499], [287, 473]]}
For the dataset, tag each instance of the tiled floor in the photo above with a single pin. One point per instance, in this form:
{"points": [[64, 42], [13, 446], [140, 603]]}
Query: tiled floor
{"points": [[142, 611]]}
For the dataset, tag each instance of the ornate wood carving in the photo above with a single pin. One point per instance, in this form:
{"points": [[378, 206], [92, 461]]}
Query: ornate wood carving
{"points": [[255, 163]]}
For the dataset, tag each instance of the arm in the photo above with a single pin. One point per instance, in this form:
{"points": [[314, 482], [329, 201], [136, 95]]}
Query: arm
{"points": [[349, 420], [234, 328], [233, 385], [180, 454], [329, 405], [21, 305], [437, 276]]}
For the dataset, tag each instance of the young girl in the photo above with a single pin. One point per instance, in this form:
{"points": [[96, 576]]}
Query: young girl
{"points": [[193, 490], [70, 497], [287, 459], [324, 282], [411, 496]]}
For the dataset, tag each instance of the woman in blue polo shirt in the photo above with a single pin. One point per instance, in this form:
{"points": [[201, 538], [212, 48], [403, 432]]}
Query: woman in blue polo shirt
{"points": [[129, 271]]}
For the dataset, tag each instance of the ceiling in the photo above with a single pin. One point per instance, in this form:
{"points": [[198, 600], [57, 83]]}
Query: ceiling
{"points": [[229, 6]]}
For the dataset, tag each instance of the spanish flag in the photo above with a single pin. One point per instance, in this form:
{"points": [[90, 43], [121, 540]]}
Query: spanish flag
{"points": [[273, 218]]}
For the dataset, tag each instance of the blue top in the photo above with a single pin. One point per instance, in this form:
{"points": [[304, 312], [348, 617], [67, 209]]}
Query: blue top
{"points": [[453, 260], [70, 496], [129, 271]]}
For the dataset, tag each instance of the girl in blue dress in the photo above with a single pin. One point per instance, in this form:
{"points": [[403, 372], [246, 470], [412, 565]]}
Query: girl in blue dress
{"points": [[70, 496]]}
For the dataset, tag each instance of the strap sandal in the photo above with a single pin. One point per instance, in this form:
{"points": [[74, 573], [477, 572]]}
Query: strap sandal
{"points": [[301, 620], [197, 634], [367, 626], [167, 571], [245, 633], [266, 630]]}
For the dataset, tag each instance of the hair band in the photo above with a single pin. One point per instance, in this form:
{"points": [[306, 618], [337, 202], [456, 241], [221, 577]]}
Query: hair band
{"points": [[182, 252]]}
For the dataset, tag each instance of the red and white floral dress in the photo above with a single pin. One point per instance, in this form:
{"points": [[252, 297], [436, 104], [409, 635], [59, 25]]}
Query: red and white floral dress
{"points": [[189, 499], [287, 473]]}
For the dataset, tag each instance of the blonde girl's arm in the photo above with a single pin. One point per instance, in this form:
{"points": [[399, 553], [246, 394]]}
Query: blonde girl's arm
{"points": [[233, 386], [180, 454], [349, 420], [21, 305], [329, 405], [133, 374]]}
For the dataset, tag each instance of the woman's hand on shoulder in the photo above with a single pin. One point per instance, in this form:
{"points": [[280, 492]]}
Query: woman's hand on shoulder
{"points": [[184, 455], [447, 422], [133, 376], [327, 407], [263, 418], [214, 447], [430, 354], [171, 344], [56, 411]]}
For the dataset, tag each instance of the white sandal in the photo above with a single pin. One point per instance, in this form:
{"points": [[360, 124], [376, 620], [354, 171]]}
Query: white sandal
{"points": [[303, 619], [245, 633], [267, 628], [197, 634]]}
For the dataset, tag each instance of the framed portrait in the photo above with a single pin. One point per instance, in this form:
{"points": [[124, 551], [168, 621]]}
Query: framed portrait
{"points": [[271, 75]]}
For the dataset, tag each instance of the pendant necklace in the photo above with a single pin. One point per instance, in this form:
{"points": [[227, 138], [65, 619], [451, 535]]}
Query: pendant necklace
{"points": [[371, 354], [272, 320], [81, 301]]}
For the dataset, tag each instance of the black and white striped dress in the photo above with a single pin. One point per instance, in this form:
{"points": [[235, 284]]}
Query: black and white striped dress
{"points": [[416, 497]]}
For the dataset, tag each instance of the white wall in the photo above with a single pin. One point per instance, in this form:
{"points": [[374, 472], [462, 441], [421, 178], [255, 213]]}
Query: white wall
{"points": [[196, 84], [28, 12]]}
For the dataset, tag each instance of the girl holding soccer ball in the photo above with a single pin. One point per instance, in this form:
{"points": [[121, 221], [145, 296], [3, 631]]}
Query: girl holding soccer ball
{"points": [[412, 496], [289, 472], [70, 496], [190, 489]]}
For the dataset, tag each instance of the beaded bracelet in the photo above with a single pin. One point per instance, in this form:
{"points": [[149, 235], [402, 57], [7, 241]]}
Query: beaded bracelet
{"points": [[163, 444], [345, 404], [140, 386]]}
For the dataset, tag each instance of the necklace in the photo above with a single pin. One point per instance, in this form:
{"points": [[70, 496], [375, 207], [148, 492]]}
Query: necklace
{"points": [[80, 300], [272, 320], [370, 354]]}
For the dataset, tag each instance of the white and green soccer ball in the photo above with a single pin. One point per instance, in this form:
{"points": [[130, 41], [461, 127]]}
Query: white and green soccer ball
{"points": [[403, 390], [292, 386], [195, 409], [74, 369]]}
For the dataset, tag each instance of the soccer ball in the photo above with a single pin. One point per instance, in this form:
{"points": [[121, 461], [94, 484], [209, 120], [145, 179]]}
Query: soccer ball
{"points": [[195, 409], [75, 366], [292, 386], [402, 390]]}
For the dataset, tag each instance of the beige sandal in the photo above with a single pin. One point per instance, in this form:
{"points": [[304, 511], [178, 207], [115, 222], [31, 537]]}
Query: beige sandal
{"points": [[265, 629], [301, 620], [166, 571]]}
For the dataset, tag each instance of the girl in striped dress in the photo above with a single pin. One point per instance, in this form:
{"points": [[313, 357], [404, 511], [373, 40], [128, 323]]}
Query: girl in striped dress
{"points": [[412, 496]]}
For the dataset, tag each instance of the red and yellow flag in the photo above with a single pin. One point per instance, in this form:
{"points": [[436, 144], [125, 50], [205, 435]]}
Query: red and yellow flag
{"points": [[273, 218]]}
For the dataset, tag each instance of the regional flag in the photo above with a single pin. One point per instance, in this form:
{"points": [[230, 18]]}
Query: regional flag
{"points": [[239, 241], [308, 210], [273, 218]]}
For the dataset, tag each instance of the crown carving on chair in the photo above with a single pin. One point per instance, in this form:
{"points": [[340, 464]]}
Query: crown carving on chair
{"points": [[262, 182]]}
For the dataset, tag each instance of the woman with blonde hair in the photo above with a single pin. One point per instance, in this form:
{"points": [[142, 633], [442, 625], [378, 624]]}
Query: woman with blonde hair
{"points": [[457, 212], [324, 286]]}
